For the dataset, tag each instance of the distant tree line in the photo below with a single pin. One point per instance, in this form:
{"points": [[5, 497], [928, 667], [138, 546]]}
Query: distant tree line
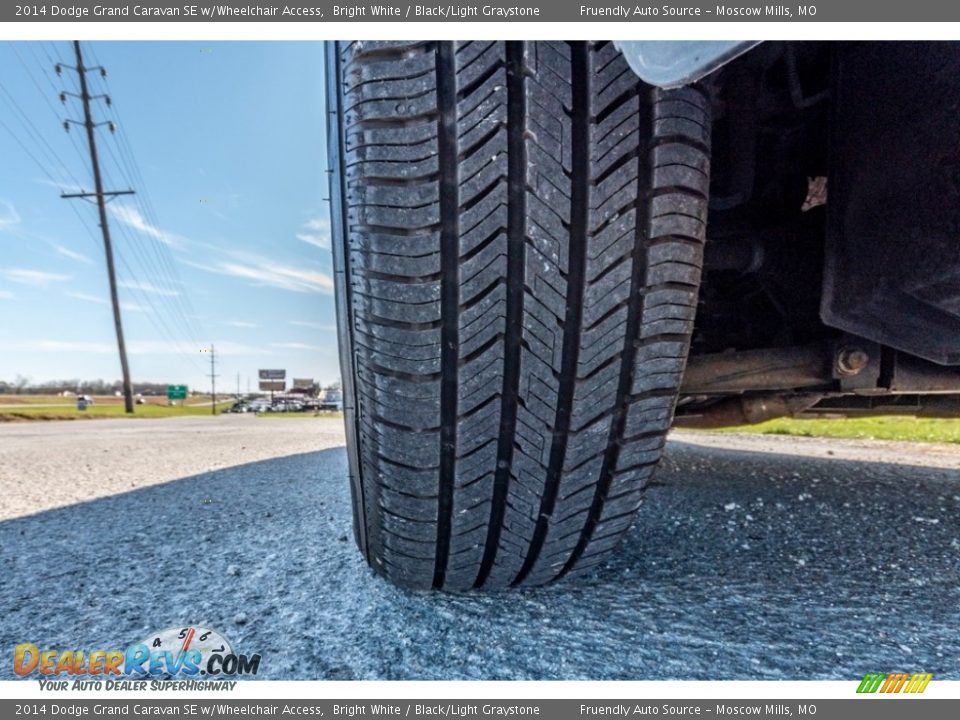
{"points": [[21, 385]]}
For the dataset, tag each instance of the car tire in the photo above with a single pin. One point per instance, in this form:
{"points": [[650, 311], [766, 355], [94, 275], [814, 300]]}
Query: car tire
{"points": [[518, 231]]}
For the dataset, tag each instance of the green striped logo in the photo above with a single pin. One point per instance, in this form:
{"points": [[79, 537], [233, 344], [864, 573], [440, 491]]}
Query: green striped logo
{"points": [[894, 682]]}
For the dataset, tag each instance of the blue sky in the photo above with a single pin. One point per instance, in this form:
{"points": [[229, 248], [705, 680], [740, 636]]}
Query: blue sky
{"points": [[226, 242]]}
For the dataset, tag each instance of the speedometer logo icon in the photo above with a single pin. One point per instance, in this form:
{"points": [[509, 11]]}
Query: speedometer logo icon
{"points": [[198, 643]]}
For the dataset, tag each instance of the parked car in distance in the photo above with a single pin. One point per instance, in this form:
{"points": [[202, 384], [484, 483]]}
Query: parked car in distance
{"points": [[332, 400]]}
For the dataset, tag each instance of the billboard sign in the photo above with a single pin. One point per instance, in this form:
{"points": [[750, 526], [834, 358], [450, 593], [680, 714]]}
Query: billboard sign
{"points": [[303, 383], [273, 385], [273, 374]]}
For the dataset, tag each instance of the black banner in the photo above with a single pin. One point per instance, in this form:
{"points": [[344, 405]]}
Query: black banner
{"points": [[492, 11], [874, 708]]}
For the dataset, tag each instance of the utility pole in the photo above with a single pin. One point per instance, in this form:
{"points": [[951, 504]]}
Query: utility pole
{"points": [[101, 196], [213, 379], [238, 386]]}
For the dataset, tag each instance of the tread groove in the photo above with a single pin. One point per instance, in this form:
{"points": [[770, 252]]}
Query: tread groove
{"points": [[449, 297], [516, 236]]}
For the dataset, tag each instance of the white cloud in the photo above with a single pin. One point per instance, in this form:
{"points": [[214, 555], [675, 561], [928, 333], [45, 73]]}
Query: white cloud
{"points": [[87, 297], [286, 277], [263, 271], [36, 278], [134, 347], [241, 324], [146, 287], [63, 187], [160, 347], [297, 346], [128, 306], [6, 295], [8, 215], [312, 325], [316, 231], [59, 346], [72, 254], [131, 217], [225, 347]]}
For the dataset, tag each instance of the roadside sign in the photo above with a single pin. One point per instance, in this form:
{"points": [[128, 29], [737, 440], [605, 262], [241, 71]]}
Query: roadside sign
{"points": [[273, 385], [273, 374], [176, 392], [303, 383]]}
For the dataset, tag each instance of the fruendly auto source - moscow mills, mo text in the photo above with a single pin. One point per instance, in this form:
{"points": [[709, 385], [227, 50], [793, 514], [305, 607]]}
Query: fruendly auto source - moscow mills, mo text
{"points": [[688, 12]]}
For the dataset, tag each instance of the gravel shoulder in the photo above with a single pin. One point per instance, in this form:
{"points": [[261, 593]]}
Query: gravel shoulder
{"points": [[44, 465], [932, 455], [752, 558]]}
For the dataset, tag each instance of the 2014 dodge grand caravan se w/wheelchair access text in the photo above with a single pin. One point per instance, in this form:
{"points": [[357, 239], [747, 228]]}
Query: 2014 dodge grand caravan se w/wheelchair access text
{"points": [[548, 253]]}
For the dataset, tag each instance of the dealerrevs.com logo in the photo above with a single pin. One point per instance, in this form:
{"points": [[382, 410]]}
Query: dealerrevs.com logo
{"points": [[191, 652]]}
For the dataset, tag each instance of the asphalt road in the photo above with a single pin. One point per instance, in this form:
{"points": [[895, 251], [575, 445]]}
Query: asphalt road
{"points": [[752, 558]]}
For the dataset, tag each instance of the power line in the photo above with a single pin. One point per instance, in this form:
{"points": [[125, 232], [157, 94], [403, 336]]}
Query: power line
{"points": [[151, 254], [147, 297], [155, 317], [159, 249], [33, 133], [30, 155], [129, 168], [129, 157], [154, 258], [47, 72], [213, 379], [54, 181], [154, 314], [53, 59], [46, 99], [51, 159]]}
